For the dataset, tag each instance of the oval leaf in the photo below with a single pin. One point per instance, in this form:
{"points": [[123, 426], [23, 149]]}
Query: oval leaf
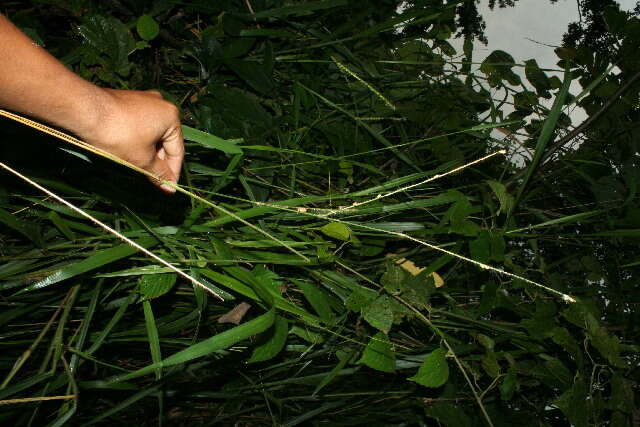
{"points": [[337, 231], [147, 27], [434, 371], [379, 354], [155, 285], [379, 313]]}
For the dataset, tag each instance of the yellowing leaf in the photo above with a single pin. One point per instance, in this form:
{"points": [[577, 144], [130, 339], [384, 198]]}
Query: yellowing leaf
{"points": [[412, 268], [437, 280]]}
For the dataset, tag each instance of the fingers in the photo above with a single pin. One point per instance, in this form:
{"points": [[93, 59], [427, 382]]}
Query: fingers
{"points": [[161, 169], [168, 159], [143, 128], [170, 152]]}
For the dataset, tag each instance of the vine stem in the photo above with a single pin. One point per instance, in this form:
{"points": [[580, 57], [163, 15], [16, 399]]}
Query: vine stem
{"points": [[442, 336]]}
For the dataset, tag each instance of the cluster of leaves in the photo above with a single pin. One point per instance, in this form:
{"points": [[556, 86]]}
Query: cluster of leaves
{"points": [[308, 132]]}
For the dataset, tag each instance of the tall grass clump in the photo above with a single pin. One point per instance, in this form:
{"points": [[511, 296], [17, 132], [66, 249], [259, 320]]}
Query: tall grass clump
{"points": [[349, 244]]}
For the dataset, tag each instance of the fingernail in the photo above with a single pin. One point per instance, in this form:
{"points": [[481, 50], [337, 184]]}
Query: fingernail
{"points": [[167, 189]]}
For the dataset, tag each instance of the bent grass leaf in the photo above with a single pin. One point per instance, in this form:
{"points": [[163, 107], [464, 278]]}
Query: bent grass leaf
{"points": [[99, 259], [317, 299], [277, 339], [152, 335], [218, 342], [30, 231], [434, 371], [344, 358], [506, 200], [210, 141], [547, 132], [302, 9]]}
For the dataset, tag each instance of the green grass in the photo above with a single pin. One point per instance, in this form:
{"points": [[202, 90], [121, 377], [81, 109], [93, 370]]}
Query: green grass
{"points": [[294, 202]]}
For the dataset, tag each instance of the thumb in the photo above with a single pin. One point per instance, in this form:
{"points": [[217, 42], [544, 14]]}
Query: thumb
{"points": [[160, 168]]}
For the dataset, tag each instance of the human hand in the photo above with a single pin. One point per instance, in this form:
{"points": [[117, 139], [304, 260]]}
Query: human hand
{"points": [[141, 128]]}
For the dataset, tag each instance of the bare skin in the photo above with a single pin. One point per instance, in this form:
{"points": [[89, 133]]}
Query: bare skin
{"points": [[137, 126]]}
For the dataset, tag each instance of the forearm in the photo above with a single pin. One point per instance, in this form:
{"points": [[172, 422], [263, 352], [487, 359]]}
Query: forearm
{"points": [[137, 126], [33, 82]]}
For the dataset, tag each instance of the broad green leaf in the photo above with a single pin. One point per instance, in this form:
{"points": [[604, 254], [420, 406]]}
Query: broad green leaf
{"points": [[622, 394], [275, 343], [360, 297], [108, 37], [450, 414], [393, 279], [372, 247], [490, 364], [537, 77], [498, 66], [434, 371], [155, 285], [147, 27], [379, 313], [234, 113], [337, 230], [379, 354], [210, 141], [573, 403], [481, 247], [509, 385], [217, 342], [253, 73], [506, 200]]}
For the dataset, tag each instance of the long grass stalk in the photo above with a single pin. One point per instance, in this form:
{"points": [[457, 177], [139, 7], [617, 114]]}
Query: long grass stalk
{"points": [[85, 146], [108, 229]]}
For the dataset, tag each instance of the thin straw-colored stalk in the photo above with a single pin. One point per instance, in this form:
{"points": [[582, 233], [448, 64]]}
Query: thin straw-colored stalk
{"points": [[417, 184], [85, 146], [37, 399], [303, 211], [108, 229]]}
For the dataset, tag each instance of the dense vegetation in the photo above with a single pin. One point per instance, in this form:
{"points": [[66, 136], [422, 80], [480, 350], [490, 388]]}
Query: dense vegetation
{"points": [[381, 289]]}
